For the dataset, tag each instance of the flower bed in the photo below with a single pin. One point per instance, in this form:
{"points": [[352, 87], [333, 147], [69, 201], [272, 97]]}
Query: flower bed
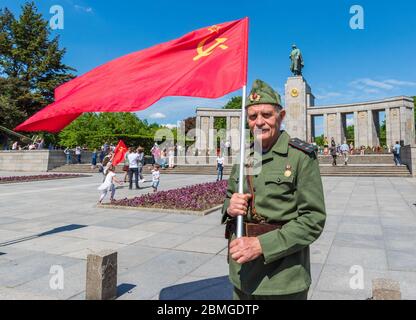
{"points": [[40, 177], [197, 197]]}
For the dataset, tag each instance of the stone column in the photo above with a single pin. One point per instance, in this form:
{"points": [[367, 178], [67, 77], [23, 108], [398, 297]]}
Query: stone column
{"points": [[339, 129], [356, 131], [309, 128], [101, 278], [212, 145], [198, 131], [332, 127], [370, 125], [204, 136], [412, 127], [395, 124], [403, 118], [326, 126], [296, 91], [363, 128]]}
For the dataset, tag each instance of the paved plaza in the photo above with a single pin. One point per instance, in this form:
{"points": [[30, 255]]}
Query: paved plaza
{"points": [[371, 224]]}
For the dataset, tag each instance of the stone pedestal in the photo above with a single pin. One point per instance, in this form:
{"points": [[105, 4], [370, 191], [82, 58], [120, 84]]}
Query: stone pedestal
{"points": [[298, 97], [101, 276]]}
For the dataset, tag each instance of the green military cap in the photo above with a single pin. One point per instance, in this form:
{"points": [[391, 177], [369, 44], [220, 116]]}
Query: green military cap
{"points": [[262, 93]]}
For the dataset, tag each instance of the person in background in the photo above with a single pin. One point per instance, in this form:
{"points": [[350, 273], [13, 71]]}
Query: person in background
{"points": [[94, 159], [171, 156], [133, 168], [220, 166], [109, 184], [140, 152], [67, 152], [396, 152], [15, 145], [155, 177], [155, 151], [344, 151], [126, 165], [333, 151], [163, 159], [78, 154]]}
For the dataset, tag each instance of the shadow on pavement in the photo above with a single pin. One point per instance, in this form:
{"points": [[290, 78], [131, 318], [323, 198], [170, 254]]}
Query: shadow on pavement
{"points": [[218, 288], [124, 288], [69, 227]]}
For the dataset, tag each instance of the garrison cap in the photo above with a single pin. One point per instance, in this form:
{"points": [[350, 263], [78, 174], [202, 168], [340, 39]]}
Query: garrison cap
{"points": [[262, 93]]}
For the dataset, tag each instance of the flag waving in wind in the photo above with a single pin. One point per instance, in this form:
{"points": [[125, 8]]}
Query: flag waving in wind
{"points": [[206, 63], [119, 153]]}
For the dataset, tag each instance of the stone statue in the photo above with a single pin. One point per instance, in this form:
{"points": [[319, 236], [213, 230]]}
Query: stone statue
{"points": [[297, 61]]}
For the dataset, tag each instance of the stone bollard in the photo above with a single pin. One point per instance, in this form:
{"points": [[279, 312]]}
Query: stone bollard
{"points": [[101, 276], [386, 289]]}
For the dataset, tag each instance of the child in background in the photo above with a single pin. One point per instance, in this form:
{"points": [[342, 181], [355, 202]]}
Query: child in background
{"points": [[155, 177], [108, 184]]}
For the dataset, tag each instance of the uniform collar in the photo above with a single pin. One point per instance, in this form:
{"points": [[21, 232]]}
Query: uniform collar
{"points": [[281, 146]]}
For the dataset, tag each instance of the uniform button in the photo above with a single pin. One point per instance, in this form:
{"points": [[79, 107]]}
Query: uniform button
{"points": [[254, 189], [256, 175], [278, 179]]}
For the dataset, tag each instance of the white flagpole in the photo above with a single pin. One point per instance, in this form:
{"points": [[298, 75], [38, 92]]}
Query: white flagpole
{"points": [[242, 158]]}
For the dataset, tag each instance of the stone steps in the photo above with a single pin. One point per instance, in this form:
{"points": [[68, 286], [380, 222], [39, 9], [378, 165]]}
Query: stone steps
{"points": [[326, 170]]}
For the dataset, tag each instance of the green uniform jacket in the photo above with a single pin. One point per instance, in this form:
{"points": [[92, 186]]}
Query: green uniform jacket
{"points": [[298, 200]]}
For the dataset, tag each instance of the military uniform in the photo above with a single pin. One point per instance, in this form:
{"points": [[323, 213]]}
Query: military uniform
{"points": [[288, 190]]}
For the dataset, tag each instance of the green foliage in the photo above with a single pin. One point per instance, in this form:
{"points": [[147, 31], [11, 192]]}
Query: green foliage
{"points": [[382, 136], [30, 65], [92, 129], [349, 134], [233, 103], [320, 140]]}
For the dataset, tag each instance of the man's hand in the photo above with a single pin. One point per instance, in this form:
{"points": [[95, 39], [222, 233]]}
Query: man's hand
{"points": [[245, 249], [238, 204]]}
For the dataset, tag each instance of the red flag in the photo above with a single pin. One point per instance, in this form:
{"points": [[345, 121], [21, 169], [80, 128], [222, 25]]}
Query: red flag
{"points": [[119, 153], [207, 63]]}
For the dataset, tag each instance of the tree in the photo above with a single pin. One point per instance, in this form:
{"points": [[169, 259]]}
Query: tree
{"points": [[92, 129], [319, 140], [349, 134], [30, 65]]}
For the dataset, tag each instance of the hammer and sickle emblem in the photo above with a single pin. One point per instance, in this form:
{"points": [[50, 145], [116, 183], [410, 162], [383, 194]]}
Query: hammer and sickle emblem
{"points": [[208, 51]]}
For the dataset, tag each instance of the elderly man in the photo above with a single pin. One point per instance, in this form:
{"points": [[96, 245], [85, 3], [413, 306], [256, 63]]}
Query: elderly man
{"points": [[283, 208]]}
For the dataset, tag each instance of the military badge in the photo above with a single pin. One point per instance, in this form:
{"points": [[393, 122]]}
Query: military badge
{"points": [[254, 97], [288, 170]]}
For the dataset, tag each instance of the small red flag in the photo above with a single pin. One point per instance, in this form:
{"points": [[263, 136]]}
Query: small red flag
{"points": [[207, 63], [119, 153]]}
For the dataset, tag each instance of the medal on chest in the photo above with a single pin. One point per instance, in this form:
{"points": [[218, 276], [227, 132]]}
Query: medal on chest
{"points": [[288, 171]]}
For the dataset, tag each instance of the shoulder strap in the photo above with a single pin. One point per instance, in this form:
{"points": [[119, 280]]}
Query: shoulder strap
{"points": [[302, 145]]}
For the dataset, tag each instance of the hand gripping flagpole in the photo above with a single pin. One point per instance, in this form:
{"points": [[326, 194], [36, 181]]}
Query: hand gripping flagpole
{"points": [[239, 231]]}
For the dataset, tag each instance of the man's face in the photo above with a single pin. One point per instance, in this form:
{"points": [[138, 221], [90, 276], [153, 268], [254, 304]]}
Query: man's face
{"points": [[266, 120]]}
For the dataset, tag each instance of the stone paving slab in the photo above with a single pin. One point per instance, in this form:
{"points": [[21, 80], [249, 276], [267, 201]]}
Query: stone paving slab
{"points": [[371, 224]]}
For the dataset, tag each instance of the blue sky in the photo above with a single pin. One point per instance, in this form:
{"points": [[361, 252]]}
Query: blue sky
{"points": [[341, 65]]}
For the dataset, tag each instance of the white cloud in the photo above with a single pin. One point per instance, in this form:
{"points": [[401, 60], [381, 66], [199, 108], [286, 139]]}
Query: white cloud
{"points": [[157, 115], [327, 95], [373, 86], [401, 83], [350, 121], [169, 125], [364, 83], [84, 9]]}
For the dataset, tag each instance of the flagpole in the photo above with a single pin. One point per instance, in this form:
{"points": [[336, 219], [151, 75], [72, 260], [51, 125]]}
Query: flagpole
{"points": [[239, 231]]}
